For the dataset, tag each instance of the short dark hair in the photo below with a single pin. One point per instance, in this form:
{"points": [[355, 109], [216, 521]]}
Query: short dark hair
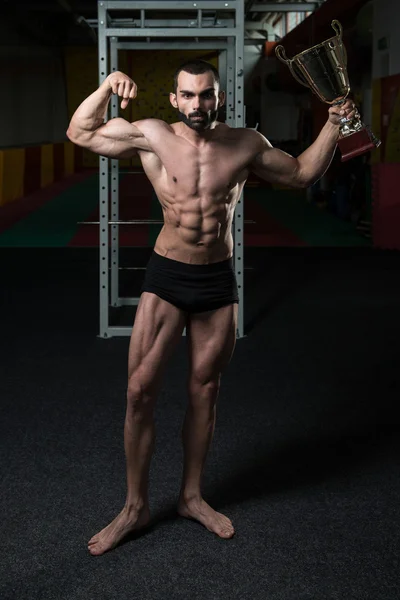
{"points": [[195, 67]]}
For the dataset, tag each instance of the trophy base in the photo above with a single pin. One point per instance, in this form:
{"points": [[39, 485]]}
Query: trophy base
{"points": [[357, 143]]}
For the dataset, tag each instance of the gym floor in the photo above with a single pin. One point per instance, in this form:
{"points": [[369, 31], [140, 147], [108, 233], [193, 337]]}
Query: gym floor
{"points": [[305, 459]]}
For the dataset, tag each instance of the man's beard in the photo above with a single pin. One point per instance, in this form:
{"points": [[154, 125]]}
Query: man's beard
{"points": [[206, 121]]}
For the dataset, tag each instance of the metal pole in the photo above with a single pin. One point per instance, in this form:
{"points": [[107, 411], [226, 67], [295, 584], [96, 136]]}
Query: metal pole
{"points": [[239, 122], [103, 184], [114, 191], [222, 68]]}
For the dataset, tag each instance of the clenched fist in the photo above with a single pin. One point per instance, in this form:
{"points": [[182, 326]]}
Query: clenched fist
{"points": [[122, 85], [346, 110]]}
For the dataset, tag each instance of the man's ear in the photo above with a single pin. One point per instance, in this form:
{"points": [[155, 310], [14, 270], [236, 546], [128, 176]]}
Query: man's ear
{"points": [[221, 98], [172, 99]]}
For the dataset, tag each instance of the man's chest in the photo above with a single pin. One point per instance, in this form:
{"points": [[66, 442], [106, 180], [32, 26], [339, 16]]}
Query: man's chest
{"points": [[212, 166]]}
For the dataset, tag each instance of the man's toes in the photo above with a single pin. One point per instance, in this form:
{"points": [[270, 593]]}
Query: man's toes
{"points": [[223, 532], [226, 530], [92, 541], [96, 549], [226, 533], [94, 545]]}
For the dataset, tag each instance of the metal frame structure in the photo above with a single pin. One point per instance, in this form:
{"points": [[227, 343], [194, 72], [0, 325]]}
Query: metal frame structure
{"points": [[209, 32]]}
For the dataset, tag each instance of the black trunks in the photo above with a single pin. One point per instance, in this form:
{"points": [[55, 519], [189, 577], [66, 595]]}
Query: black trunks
{"points": [[192, 288]]}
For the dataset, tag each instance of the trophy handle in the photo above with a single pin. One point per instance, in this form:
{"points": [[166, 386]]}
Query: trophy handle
{"points": [[338, 29], [281, 54]]}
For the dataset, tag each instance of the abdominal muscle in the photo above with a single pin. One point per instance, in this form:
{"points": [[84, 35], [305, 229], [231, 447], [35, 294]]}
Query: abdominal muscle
{"points": [[196, 231]]}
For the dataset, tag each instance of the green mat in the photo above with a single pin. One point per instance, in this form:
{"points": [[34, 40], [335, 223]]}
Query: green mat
{"points": [[54, 224]]}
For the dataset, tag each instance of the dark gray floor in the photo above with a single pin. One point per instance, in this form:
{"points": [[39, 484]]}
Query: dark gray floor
{"points": [[305, 459]]}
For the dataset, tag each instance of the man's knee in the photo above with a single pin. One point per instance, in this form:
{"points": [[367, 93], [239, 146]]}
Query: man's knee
{"points": [[203, 385], [141, 392]]}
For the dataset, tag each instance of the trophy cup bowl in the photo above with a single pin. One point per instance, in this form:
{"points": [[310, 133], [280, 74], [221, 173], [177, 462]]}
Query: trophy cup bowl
{"points": [[323, 69]]}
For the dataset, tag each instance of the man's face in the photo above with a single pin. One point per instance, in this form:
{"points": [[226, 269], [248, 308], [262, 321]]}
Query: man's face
{"points": [[197, 100]]}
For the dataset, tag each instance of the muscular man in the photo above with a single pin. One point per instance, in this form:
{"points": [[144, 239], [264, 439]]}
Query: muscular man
{"points": [[198, 167]]}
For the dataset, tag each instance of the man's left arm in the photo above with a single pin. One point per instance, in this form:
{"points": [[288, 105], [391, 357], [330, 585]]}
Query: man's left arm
{"points": [[277, 166]]}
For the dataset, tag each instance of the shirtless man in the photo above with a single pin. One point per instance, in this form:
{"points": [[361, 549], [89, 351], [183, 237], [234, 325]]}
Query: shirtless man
{"points": [[198, 168]]}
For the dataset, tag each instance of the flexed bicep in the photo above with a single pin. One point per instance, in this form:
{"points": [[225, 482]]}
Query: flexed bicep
{"points": [[117, 139]]}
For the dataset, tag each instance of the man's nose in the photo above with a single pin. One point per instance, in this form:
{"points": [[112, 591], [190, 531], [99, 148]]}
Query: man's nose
{"points": [[196, 104]]}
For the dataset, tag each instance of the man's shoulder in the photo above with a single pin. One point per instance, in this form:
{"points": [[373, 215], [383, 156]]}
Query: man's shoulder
{"points": [[248, 132], [247, 135]]}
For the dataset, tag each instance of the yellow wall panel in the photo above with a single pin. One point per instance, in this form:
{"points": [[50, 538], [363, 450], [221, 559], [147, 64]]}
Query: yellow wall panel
{"points": [[69, 156], [12, 165], [47, 165]]}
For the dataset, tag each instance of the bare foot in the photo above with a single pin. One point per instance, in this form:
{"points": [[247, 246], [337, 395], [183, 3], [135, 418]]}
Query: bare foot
{"points": [[126, 522], [207, 516]]}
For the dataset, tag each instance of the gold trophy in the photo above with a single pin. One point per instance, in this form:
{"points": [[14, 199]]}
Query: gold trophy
{"points": [[323, 69]]}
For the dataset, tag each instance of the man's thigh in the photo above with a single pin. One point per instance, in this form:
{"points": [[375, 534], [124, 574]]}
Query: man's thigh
{"points": [[211, 338], [157, 329]]}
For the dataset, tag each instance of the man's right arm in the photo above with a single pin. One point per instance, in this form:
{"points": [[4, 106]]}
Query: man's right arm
{"points": [[115, 139]]}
